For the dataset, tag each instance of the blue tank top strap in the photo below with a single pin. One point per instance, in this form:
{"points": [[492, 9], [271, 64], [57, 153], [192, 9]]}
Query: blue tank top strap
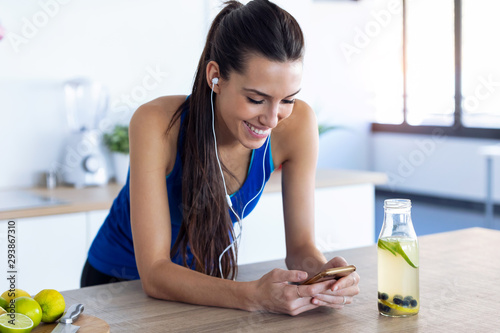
{"points": [[177, 163], [260, 169]]}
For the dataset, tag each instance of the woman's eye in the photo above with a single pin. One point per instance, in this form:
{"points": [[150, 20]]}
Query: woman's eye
{"points": [[254, 101], [289, 101]]}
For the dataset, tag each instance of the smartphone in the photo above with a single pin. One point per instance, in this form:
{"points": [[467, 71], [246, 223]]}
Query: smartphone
{"points": [[331, 273]]}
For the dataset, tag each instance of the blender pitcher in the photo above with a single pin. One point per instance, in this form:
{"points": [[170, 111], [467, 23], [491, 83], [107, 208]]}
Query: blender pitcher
{"points": [[86, 160]]}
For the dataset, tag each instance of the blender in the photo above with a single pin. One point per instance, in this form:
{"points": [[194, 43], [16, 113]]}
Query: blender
{"points": [[85, 158]]}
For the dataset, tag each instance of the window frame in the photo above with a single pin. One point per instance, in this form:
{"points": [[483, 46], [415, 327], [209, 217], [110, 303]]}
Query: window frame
{"points": [[457, 129]]}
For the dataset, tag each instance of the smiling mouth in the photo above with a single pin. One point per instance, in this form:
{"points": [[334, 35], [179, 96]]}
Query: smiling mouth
{"points": [[256, 130]]}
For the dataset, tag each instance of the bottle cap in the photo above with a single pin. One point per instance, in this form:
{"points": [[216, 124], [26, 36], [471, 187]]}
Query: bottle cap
{"points": [[397, 203]]}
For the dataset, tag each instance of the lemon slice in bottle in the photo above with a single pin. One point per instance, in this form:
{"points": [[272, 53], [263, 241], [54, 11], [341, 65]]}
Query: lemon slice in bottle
{"points": [[399, 308], [395, 247]]}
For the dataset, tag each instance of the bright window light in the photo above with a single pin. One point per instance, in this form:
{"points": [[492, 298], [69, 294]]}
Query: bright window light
{"points": [[480, 63], [430, 62]]}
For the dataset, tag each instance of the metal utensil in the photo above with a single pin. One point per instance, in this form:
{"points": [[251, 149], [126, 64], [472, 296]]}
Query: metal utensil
{"points": [[65, 322]]}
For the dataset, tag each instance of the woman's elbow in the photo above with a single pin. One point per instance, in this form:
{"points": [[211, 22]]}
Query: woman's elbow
{"points": [[148, 288], [153, 286]]}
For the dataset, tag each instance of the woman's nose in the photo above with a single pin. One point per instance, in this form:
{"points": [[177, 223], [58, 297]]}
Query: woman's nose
{"points": [[270, 118]]}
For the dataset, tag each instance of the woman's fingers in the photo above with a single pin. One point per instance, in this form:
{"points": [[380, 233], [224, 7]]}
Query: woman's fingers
{"points": [[337, 302], [340, 294], [283, 297], [349, 291], [282, 275], [301, 308], [313, 289], [347, 281], [338, 262]]}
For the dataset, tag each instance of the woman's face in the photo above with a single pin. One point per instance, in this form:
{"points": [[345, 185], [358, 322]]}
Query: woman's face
{"points": [[251, 104]]}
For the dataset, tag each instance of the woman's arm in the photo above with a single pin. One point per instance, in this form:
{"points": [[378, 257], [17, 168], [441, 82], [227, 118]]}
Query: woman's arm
{"points": [[298, 144], [300, 138]]}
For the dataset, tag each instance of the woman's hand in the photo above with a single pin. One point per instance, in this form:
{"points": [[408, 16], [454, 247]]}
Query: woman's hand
{"points": [[340, 292], [274, 293]]}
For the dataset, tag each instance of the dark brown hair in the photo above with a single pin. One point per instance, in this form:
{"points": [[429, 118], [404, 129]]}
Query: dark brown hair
{"points": [[259, 28]]}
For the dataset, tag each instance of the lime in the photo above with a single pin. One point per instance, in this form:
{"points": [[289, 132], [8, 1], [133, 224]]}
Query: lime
{"points": [[3, 303], [399, 308], [2, 311], [394, 246], [28, 306], [52, 303], [15, 323], [14, 293]]}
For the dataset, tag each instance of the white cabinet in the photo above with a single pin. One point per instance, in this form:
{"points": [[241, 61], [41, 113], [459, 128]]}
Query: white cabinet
{"points": [[263, 236], [51, 250], [4, 284], [345, 218]]}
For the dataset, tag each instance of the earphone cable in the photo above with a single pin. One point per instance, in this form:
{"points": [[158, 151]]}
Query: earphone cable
{"points": [[228, 198], [240, 223]]}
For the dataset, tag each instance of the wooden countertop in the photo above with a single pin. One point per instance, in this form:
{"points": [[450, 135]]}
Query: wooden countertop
{"points": [[97, 198], [459, 292], [78, 200]]}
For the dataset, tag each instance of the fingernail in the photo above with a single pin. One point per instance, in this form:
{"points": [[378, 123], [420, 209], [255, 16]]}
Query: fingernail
{"points": [[303, 275], [315, 301], [335, 288]]}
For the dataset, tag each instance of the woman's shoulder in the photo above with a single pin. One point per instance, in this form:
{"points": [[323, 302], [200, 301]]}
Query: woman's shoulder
{"points": [[299, 129], [149, 124], [157, 114], [159, 109], [302, 114]]}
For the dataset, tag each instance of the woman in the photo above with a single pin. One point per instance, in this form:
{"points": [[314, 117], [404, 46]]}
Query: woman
{"points": [[217, 148]]}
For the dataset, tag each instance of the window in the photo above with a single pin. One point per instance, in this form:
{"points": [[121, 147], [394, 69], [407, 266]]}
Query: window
{"points": [[450, 72], [480, 63]]}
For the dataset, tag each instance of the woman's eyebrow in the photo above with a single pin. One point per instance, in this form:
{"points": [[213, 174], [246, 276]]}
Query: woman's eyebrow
{"points": [[266, 95]]}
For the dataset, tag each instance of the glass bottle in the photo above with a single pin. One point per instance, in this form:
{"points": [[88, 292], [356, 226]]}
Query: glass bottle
{"points": [[398, 262]]}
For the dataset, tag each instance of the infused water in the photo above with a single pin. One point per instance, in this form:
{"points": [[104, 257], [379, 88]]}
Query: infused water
{"points": [[398, 280]]}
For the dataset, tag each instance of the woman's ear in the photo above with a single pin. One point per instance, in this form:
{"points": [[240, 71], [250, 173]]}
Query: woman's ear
{"points": [[212, 73]]}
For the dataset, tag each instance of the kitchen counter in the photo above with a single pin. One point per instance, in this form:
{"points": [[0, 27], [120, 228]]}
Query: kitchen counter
{"points": [[78, 200], [459, 292], [99, 198]]}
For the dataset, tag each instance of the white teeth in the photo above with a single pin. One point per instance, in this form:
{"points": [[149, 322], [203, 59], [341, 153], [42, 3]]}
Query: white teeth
{"points": [[256, 131]]}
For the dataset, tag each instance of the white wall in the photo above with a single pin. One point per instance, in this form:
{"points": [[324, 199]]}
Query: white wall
{"points": [[435, 165], [346, 84], [119, 43]]}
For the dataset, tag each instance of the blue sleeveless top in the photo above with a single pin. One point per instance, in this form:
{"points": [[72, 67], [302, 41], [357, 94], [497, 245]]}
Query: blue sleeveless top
{"points": [[112, 251]]}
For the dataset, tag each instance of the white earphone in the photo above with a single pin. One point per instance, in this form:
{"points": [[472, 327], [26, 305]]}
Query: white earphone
{"points": [[215, 80]]}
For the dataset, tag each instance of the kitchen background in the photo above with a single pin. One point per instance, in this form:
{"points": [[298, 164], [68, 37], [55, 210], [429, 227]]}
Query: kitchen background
{"points": [[142, 50]]}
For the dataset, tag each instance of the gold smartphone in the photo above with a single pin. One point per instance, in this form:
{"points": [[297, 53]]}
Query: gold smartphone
{"points": [[331, 273]]}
